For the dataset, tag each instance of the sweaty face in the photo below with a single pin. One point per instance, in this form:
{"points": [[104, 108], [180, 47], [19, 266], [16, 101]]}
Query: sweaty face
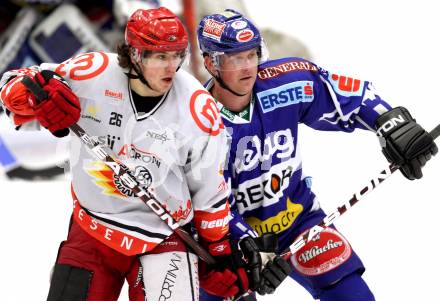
{"points": [[159, 68], [239, 70]]}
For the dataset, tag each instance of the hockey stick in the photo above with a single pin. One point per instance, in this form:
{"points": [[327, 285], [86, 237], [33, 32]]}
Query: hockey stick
{"points": [[133, 184], [330, 218], [24, 173], [123, 173]]}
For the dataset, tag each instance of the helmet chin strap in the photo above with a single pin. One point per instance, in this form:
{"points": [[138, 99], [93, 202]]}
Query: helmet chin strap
{"points": [[223, 84], [140, 76], [134, 56]]}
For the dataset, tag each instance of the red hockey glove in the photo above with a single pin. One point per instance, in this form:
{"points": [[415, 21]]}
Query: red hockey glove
{"points": [[62, 107], [227, 277], [17, 100], [220, 283]]}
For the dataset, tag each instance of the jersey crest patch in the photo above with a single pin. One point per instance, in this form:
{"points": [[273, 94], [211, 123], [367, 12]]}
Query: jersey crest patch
{"points": [[112, 185], [205, 113], [84, 66]]}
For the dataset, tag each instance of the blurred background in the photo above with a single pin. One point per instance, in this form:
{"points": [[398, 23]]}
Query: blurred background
{"points": [[394, 45]]}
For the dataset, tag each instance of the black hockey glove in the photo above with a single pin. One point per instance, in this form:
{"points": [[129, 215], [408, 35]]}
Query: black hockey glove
{"points": [[404, 142], [275, 270], [251, 253]]}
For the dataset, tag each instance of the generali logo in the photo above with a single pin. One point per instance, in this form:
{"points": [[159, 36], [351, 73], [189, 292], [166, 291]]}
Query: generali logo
{"points": [[112, 94]]}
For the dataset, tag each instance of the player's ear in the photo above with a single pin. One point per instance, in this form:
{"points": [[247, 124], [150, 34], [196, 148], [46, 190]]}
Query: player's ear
{"points": [[133, 54], [209, 65]]}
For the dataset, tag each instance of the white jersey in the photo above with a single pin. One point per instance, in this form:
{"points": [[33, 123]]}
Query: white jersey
{"points": [[176, 151]]}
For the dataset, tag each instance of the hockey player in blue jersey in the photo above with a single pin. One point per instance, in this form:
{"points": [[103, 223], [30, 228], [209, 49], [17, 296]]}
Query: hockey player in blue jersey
{"points": [[262, 102]]}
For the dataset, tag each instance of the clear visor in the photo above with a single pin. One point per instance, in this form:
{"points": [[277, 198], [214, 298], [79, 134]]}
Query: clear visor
{"points": [[240, 60], [168, 59]]}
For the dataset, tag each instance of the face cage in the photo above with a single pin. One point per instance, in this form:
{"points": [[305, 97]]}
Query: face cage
{"points": [[263, 55]]}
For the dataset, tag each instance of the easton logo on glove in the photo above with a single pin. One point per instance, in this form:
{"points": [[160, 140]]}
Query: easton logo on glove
{"points": [[390, 124]]}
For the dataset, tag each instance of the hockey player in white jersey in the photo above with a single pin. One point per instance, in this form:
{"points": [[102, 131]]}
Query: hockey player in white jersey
{"points": [[165, 128]]}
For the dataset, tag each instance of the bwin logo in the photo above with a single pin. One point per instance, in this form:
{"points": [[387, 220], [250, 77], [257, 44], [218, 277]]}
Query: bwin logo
{"points": [[390, 124]]}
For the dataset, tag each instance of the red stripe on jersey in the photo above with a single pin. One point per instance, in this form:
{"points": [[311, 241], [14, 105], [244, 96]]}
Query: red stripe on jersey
{"points": [[115, 239]]}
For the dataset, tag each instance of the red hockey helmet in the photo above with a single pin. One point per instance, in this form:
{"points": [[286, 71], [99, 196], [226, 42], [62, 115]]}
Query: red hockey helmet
{"points": [[156, 29]]}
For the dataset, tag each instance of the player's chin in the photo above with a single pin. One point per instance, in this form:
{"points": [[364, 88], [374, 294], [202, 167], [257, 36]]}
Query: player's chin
{"points": [[243, 90]]}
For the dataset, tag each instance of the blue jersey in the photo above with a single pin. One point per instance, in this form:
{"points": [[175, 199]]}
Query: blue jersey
{"points": [[264, 168]]}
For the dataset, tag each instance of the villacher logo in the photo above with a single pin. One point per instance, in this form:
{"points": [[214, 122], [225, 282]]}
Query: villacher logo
{"points": [[323, 254]]}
